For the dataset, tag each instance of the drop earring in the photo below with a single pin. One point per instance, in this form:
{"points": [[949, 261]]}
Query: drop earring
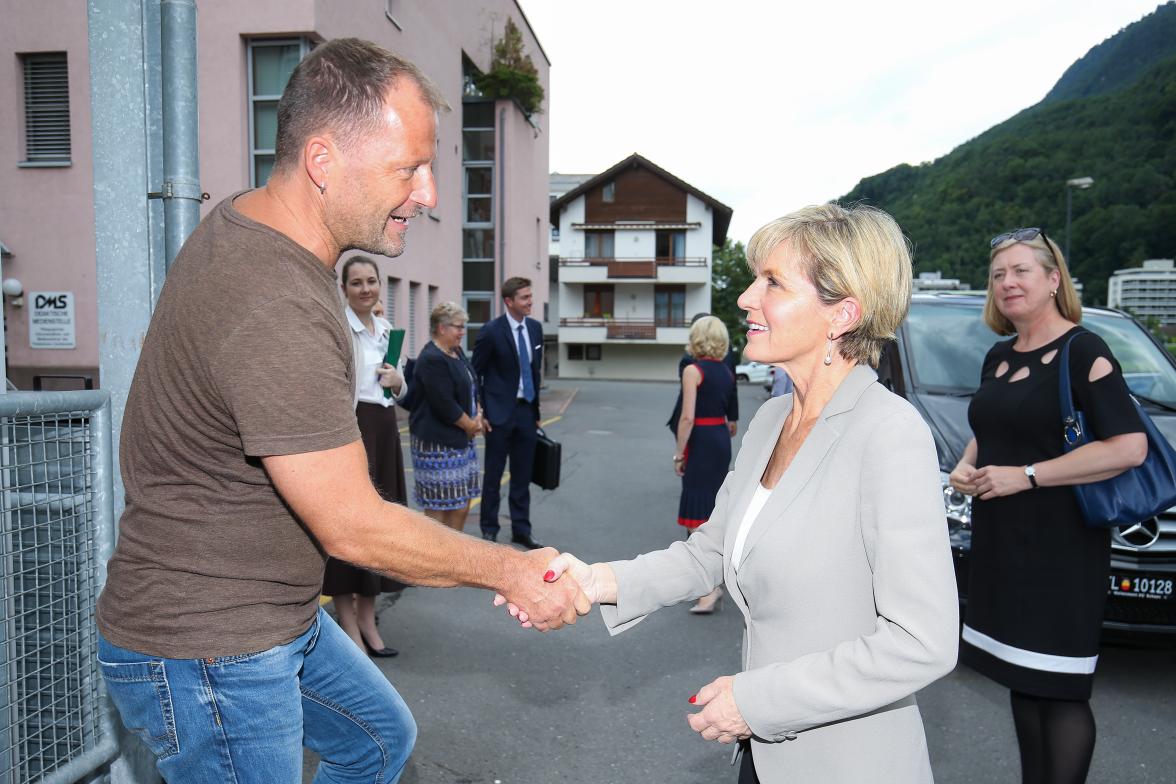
{"points": [[1053, 293], [322, 188], [829, 350]]}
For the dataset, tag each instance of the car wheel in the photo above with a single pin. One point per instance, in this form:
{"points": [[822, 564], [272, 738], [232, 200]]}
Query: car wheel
{"points": [[741, 377]]}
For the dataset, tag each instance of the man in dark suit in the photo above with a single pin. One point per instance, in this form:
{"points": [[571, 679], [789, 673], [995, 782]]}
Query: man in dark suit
{"points": [[507, 356]]}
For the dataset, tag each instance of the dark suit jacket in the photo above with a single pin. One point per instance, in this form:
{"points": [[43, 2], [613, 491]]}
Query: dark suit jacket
{"points": [[443, 395], [496, 359]]}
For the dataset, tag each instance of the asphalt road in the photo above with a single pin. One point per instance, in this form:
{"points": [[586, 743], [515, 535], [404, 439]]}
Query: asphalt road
{"points": [[498, 704]]}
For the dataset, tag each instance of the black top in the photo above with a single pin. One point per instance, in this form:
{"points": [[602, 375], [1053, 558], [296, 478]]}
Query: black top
{"points": [[1038, 572], [445, 390], [731, 361]]}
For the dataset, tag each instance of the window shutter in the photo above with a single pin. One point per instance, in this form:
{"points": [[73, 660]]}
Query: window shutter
{"points": [[46, 79]]}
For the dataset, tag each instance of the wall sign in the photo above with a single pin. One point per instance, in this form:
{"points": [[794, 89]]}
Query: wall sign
{"points": [[51, 319]]}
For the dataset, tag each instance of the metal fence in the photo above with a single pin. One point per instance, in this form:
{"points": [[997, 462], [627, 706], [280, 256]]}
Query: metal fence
{"points": [[56, 534]]}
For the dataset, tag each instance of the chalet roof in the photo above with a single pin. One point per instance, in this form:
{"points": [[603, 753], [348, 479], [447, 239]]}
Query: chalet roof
{"points": [[720, 211]]}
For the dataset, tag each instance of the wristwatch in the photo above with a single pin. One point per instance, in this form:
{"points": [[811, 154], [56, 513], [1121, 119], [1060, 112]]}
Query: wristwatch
{"points": [[1031, 472]]}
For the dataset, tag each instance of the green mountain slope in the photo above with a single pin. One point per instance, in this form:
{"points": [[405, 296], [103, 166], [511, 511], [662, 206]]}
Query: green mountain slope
{"points": [[1014, 175], [1120, 60]]}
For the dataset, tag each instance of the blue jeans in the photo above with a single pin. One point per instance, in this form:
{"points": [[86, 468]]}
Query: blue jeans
{"points": [[245, 718]]}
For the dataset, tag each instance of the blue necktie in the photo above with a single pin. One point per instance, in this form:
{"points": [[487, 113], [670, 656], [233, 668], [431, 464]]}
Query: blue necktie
{"points": [[525, 367]]}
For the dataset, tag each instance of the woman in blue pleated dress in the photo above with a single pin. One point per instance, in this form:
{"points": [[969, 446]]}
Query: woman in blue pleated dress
{"points": [[703, 455]]}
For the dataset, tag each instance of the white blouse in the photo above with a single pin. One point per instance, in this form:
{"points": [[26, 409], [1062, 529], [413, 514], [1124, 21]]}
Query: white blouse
{"points": [[373, 349], [753, 509]]}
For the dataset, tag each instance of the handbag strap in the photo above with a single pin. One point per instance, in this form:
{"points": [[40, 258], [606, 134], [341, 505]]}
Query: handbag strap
{"points": [[1072, 433]]}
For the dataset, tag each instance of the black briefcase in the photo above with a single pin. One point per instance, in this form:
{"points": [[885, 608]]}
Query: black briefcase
{"points": [[545, 472]]}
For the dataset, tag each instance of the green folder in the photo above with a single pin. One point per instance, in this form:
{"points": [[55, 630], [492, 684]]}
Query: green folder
{"points": [[392, 357]]}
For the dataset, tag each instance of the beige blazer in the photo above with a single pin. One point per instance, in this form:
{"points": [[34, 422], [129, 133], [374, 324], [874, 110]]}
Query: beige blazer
{"points": [[846, 588]]}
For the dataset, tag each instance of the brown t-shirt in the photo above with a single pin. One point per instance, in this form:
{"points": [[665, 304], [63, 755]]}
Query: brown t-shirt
{"points": [[248, 354]]}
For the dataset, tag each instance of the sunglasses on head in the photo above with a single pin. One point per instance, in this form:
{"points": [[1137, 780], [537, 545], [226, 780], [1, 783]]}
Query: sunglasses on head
{"points": [[1017, 235]]}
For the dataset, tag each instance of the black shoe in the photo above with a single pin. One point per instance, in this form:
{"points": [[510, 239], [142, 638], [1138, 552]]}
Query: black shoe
{"points": [[526, 540], [383, 653], [490, 537]]}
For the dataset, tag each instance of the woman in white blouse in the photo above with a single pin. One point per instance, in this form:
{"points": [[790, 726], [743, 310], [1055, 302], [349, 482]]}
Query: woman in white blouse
{"points": [[354, 589], [828, 534]]}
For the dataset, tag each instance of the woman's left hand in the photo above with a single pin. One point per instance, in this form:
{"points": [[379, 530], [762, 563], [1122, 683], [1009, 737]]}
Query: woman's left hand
{"points": [[389, 377], [998, 481], [719, 718], [680, 465]]}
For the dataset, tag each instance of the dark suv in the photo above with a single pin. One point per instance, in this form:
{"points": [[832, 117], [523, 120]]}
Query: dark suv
{"points": [[935, 364]]}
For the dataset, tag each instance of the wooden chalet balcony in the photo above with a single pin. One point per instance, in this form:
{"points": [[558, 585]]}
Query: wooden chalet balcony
{"points": [[624, 329], [635, 267]]}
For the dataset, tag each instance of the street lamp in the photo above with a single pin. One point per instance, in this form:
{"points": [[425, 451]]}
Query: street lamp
{"points": [[1082, 183]]}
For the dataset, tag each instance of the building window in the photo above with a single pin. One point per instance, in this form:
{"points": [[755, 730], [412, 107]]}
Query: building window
{"points": [[592, 351], [598, 301], [392, 295], [478, 267], [46, 101], [431, 299], [414, 290], [575, 351], [608, 193], [599, 245], [478, 308], [271, 61], [669, 306], [479, 194], [546, 313], [670, 244]]}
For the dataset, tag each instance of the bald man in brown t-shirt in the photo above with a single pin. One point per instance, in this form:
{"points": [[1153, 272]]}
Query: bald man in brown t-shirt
{"points": [[244, 468]]}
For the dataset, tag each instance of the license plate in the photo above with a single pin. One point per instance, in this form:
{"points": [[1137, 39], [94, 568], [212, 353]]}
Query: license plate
{"points": [[1141, 586]]}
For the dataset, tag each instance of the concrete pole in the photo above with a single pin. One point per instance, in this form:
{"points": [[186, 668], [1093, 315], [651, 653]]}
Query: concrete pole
{"points": [[181, 159]]}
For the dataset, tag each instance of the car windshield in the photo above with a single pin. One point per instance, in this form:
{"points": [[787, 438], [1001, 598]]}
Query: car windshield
{"points": [[947, 343], [1146, 369]]}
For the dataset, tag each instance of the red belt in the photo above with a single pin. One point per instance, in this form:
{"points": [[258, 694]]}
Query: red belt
{"points": [[711, 421]]}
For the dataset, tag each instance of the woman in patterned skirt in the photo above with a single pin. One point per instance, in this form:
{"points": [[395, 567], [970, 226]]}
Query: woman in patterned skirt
{"points": [[354, 590], [703, 456], [445, 421]]}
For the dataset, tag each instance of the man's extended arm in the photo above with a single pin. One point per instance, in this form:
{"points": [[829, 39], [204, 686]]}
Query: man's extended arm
{"points": [[332, 495]]}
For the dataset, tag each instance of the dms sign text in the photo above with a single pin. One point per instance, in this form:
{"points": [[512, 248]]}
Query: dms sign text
{"points": [[51, 319]]}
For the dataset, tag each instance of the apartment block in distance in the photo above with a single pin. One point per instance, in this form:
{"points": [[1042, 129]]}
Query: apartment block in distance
{"points": [[635, 251], [490, 223], [1148, 291]]}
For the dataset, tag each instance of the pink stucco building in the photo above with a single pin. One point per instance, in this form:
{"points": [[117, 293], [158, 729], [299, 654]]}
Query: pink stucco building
{"points": [[491, 220]]}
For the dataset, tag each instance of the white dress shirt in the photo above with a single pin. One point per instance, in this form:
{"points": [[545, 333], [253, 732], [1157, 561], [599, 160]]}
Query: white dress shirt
{"points": [[757, 503], [372, 350], [514, 338]]}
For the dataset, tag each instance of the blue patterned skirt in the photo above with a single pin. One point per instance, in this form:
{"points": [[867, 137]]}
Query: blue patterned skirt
{"points": [[444, 478]]}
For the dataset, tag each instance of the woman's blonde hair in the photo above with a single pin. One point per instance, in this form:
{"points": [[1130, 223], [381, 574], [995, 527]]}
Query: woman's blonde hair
{"points": [[446, 313], [857, 252], [1049, 256], [708, 338]]}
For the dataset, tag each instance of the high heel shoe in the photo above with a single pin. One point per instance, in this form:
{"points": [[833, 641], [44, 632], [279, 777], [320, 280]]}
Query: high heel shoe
{"points": [[710, 603], [382, 653]]}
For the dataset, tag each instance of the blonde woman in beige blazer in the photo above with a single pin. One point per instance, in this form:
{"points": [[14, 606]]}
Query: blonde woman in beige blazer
{"points": [[844, 575]]}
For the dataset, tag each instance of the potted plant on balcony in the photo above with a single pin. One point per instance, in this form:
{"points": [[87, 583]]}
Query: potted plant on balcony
{"points": [[512, 73]]}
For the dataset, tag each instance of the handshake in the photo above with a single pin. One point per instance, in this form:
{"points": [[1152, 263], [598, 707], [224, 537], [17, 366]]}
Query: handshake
{"points": [[553, 589]]}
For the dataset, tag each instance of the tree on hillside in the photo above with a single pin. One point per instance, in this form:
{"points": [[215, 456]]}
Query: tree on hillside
{"points": [[729, 277]]}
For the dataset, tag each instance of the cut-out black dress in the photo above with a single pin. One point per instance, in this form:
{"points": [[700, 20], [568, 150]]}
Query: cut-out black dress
{"points": [[1039, 574]]}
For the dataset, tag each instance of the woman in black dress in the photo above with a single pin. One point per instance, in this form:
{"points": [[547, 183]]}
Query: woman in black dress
{"points": [[1038, 572], [703, 456]]}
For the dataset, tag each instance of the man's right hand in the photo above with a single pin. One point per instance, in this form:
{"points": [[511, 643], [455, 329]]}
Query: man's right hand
{"points": [[545, 605]]}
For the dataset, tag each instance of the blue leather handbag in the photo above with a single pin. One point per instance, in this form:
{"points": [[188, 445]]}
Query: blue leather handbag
{"points": [[1137, 493]]}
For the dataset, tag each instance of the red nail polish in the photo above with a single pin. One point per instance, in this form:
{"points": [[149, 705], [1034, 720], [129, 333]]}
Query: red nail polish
{"points": [[549, 576], [693, 699]]}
